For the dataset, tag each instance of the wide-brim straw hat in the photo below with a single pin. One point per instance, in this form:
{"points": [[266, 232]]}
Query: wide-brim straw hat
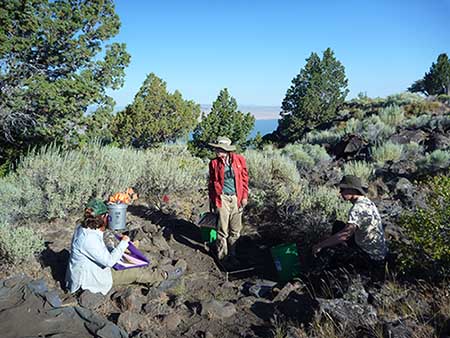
{"points": [[352, 182], [223, 143]]}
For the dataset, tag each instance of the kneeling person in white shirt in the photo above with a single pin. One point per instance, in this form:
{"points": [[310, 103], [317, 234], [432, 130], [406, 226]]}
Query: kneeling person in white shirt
{"points": [[90, 260]]}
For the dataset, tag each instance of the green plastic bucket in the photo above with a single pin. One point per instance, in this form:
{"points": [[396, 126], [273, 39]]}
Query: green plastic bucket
{"points": [[286, 260], [208, 234]]}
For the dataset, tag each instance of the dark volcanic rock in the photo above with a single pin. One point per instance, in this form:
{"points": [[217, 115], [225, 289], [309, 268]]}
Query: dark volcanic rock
{"points": [[347, 312], [438, 141], [350, 146], [217, 309], [130, 299], [408, 136], [131, 321], [26, 310], [91, 300], [171, 321], [352, 308], [404, 190]]}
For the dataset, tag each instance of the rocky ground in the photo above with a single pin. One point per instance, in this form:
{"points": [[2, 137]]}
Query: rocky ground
{"points": [[210, 302]]}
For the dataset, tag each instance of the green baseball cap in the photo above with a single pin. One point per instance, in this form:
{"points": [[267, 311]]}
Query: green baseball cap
{"points": [[98, 206]]}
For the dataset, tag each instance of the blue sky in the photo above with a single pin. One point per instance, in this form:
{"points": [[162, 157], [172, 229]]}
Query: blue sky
{"points": [[255, 48]]}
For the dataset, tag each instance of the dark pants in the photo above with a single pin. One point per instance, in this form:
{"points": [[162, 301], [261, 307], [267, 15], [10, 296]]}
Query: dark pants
{"points": [[353, 256]]}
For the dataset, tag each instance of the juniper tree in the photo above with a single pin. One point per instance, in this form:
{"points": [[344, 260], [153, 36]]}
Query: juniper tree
{"points": [[314, 96], [155, 116], [224, 119], [54, 64], [437, 80]]}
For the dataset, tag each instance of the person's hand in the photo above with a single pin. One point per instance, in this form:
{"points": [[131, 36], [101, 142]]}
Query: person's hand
{"points": [[244, 202], [316, 249], [125, 238]]}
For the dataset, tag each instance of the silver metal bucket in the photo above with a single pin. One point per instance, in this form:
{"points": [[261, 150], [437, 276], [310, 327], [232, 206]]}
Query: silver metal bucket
{"points": [[117, 216]]}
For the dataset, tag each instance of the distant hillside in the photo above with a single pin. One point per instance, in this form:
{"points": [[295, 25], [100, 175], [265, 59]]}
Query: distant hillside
{"points": [[259, 112]]}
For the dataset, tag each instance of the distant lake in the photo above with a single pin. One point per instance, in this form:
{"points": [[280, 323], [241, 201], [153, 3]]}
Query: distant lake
{"points": [[266, 117], [264, 127]]}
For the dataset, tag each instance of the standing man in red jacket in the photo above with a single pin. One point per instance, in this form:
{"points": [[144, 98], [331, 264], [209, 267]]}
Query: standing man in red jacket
{"points": [[228, 194]]}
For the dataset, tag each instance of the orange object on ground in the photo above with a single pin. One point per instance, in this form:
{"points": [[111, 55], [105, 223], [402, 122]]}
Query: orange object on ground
{"points": [[123, 197]]}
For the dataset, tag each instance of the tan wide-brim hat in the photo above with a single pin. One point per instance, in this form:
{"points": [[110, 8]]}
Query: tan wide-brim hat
{"points": [[223, 143]]}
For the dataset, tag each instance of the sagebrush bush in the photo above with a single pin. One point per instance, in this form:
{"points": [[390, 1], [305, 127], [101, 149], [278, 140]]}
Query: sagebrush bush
{"points": [[286, 204], [10, 200], [422, 107], [309, 211], [361, 169], [412, 151], [388, 151], [405, 98], [323, 137], [440, 121], [376, 131], [306, 156], [18, 243], [54, 182], [418, 121], [435, 161], [443, 98], [172, 175], [353, 126], [392, 115], [269, 166], [428, 232]]}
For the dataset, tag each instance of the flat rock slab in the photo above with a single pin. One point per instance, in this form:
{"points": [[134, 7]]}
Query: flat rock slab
{"points": [[216, 309], [29, 309]]}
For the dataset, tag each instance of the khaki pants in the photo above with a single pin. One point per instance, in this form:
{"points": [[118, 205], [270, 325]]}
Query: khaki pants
{"points": [[137, 275], [230, 226]]}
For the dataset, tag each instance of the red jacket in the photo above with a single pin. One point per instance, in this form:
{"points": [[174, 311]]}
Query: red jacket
{"points": [[216, 178]]}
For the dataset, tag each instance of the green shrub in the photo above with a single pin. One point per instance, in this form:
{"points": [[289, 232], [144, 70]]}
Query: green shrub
{"points": [[54, 182], [444, 98], [361, 169], [180, 176], [428, 232], [323, 137], [418, 121], [388, 151], [282, 204], [412, 151], [18, 244], [405, 98], [422, 107], [306, 156], [308, 212], [435, 161], [392, 115], [269, 166], [376, 131], [353, 126], [440, 121]]}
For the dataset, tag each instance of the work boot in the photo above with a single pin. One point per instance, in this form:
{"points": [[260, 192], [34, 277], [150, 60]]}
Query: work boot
{"points": [[232, 244], [222, 248]]}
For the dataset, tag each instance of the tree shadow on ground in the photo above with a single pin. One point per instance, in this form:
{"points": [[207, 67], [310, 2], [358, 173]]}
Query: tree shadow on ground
{"points": [[57, 261], [253, 255], [184, 232]]}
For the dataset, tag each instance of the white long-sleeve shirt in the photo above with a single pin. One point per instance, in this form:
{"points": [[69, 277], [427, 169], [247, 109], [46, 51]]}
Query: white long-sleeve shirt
{"points": [[90, 261]]}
